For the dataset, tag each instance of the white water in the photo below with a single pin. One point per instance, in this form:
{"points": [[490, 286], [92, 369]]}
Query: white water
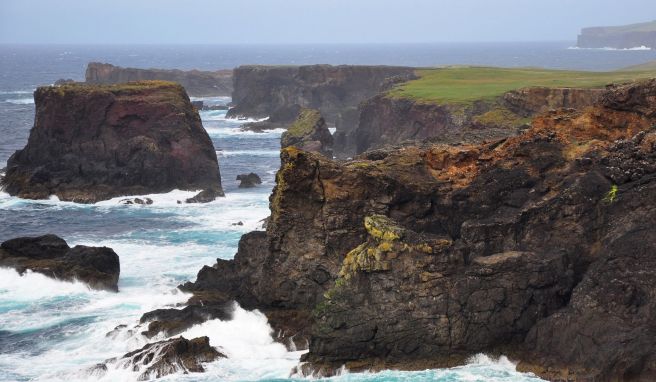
{"points": [[58, 330]]}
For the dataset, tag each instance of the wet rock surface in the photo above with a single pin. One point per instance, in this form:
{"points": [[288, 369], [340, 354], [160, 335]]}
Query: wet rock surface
{"points": [[159, 359], [50, 255], [249, 180], [96, 142]]}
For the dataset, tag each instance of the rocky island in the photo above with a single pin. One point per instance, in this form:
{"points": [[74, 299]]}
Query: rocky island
{"points": [[196, 82], [538, 246], [619, 37], [96, 142]]}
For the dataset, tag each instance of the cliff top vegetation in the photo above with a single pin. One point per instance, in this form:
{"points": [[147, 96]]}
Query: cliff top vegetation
{"points": [[466, 84]]}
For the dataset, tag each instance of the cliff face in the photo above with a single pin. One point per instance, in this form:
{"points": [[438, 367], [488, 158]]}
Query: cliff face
{"points": [[309, 133], [95, 142], [278, 91], [385, 120], [538, 246], [196, 82], [622, 37]]}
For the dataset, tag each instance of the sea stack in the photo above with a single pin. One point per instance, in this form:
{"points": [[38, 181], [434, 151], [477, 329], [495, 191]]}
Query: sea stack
{"points": [[310, 133], [95, 142]]}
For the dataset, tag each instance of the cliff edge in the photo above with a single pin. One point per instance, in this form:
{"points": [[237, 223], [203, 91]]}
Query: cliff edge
{"points": [[196, 83]]}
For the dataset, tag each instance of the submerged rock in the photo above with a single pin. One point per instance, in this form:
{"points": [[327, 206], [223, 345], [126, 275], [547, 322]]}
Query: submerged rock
{"points": [[96, 142], [249, 180], [310, 133], [538, 246], [50, 255], [206, 196], [159, 359]]}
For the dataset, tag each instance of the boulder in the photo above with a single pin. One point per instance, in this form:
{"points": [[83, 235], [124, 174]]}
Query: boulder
{"points": [[159, 359], [96, 142], [50, 255], [249, 180], [310, 133]]}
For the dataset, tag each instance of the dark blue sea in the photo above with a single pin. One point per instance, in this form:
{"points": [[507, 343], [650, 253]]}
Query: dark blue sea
{"points": [[51, 330]]}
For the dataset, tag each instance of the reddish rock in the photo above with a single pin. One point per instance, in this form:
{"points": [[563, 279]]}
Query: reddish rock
{"points": [[95, 142]]}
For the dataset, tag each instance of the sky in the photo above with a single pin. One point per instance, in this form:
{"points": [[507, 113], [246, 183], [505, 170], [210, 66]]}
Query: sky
{"points": [[308, 21]]}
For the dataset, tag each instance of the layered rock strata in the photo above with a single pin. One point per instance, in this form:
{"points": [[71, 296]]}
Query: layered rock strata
{"points": [[538, 246], [96, 142]]}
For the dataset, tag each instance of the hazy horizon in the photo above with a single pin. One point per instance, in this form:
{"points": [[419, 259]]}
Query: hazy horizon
{"points": [[262, 22]]}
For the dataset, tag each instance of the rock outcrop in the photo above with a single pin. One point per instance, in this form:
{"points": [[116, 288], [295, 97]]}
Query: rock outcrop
{"points": [[309, 132], [278, 92], [386, 120], [95, 142], [197, 83], [249, 180], [159, 359], [50, 255], [538, 246], [619, 37]]}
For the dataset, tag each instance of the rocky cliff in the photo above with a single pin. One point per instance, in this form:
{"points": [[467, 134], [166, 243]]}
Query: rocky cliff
{"points": [[278, 91], [95, 142], [196, 83], [387, 120], [619, 37], [539, 246], [309, 132]]}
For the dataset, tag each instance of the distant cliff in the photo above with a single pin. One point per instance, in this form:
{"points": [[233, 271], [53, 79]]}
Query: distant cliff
{"points": [[386, 120], [619, 37], [278, 91], [196, 83]]}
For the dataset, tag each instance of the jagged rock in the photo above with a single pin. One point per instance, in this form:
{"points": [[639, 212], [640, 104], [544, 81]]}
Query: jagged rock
{"points": [[96, 142], [197, 104], [249, 180], [143, 201], [159, 359], [206, 196], [50, 255], [310, 133], [196, 83], [172, 322], [537, 246]]}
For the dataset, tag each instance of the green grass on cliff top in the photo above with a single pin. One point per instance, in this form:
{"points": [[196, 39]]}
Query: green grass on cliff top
{"points": [[467, 84]]}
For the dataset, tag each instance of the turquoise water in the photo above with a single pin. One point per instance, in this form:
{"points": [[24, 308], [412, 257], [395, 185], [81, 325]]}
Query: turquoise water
{"points": [[54, 330]]}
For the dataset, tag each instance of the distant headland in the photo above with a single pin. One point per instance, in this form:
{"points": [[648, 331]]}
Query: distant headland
{"points": [[619, 37]]}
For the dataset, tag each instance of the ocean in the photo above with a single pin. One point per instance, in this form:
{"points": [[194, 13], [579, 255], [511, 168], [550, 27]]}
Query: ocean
{"points": [[52, 330]]}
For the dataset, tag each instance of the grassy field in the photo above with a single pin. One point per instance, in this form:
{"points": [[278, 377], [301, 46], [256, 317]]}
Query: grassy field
{"points": [[467, 84]]}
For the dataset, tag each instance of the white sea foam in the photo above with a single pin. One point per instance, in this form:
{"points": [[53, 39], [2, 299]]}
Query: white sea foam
{"points": [[636, 48], [257, 153], [16, 92], [247, 342], [332, 130], [20, 101]]}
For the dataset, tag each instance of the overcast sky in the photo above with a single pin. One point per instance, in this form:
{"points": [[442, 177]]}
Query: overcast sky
{"points": [[309, 21]]}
